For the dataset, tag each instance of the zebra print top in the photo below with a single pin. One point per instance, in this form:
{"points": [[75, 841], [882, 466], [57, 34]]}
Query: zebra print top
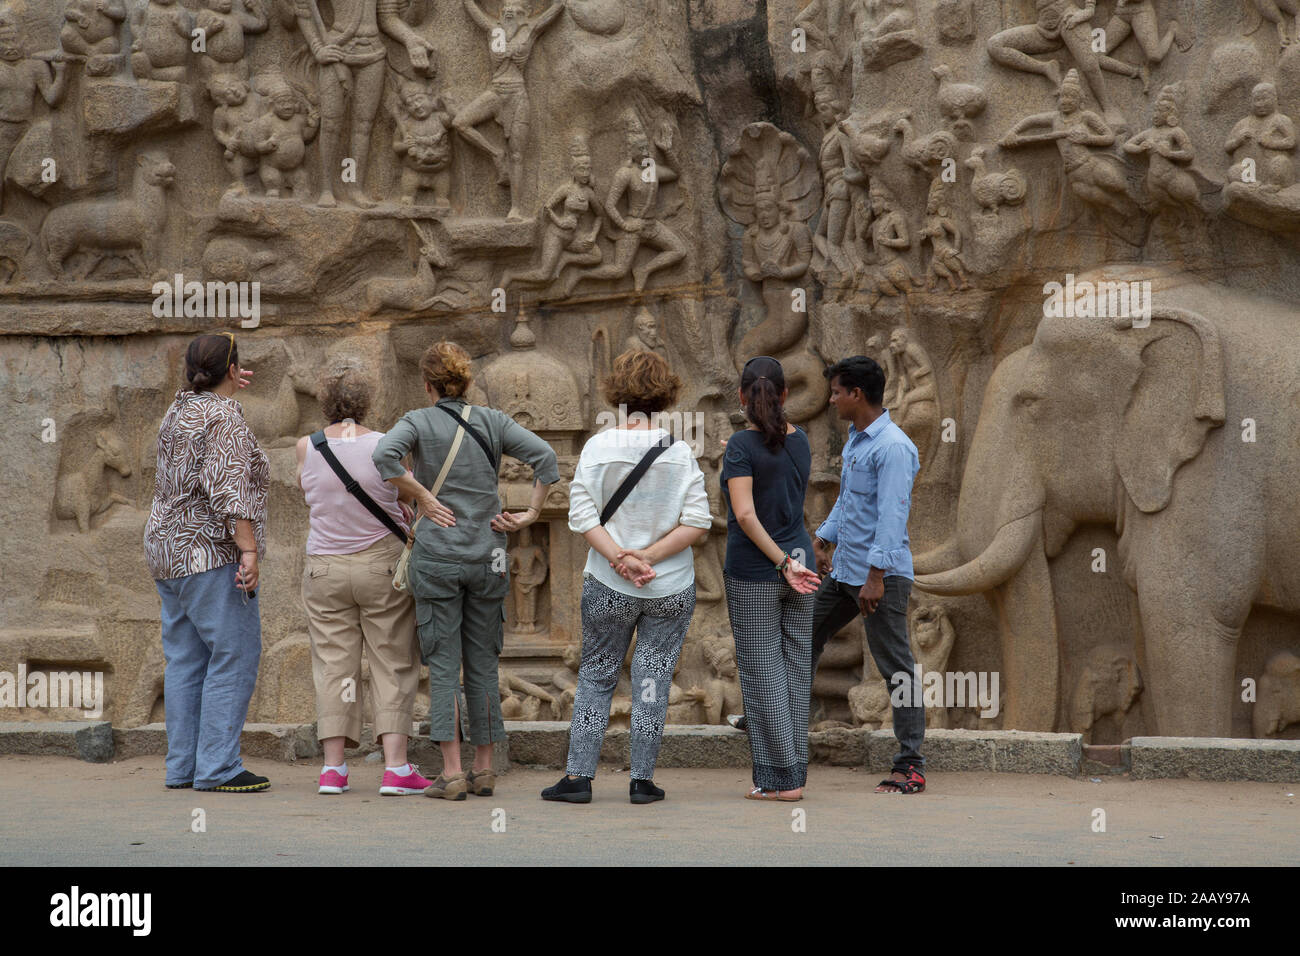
{"points": [[211, 471]]}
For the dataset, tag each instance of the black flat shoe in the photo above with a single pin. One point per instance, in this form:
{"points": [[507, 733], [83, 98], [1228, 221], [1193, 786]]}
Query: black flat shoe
{"points": [[738, 721], [644, 791], [246, 782], [569, 791], [179, 786]]}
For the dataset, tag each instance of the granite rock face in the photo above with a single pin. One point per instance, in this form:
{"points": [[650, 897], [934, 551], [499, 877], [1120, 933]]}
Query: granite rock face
{"points": [[1069, 233]]}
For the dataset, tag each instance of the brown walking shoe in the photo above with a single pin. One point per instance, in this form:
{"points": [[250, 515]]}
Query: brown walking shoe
{"points": [[447, 788], [481, 782]]}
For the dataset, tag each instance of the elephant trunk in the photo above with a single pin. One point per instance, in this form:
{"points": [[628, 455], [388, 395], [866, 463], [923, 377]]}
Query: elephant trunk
{"points": [[940, 558], [1005, 554]]}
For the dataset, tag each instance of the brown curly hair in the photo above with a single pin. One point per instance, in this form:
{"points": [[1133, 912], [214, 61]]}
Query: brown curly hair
{"points": [[641, 381], [344, 395], [445, 366]]}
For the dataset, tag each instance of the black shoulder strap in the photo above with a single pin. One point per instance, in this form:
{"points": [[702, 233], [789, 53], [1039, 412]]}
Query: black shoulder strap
{"points": [[321, 444], [634, 476], [473, 433]]}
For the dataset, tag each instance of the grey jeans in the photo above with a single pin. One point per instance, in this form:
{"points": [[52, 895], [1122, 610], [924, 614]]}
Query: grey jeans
{"points": [[608, 620], [837, 604]]}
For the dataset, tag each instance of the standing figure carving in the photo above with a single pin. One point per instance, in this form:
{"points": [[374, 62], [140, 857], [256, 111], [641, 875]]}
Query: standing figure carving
{"points": [[506, 99], [351, 58]]}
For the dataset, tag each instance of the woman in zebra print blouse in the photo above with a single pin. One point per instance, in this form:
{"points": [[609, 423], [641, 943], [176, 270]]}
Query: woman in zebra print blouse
{"points": [[205, 535]]}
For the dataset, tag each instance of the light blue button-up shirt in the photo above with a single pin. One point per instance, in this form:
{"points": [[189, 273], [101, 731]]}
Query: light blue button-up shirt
{"points": [[868, 524]]}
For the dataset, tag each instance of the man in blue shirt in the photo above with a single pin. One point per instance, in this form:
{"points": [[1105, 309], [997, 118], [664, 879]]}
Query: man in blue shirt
{"points": [[870, 569]]}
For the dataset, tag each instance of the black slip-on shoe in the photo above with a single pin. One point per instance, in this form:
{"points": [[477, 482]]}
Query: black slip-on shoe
{"points": [[644, 791], [569, 791], [179, 786], [246, 782]]}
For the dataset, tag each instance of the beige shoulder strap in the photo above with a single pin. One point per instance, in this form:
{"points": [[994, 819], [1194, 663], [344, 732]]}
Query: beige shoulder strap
{"points": [[451, 455], [446, 467]]}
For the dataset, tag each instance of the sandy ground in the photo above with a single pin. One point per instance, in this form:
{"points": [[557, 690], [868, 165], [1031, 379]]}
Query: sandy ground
{"points": [[62, 811]]}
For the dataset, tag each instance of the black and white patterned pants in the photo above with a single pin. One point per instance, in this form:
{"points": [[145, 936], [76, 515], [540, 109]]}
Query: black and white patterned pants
{"points": [[608, 620], [772, 624]]}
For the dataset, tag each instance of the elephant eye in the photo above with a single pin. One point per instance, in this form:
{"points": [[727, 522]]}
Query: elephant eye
{"points": [[1026, 398]]}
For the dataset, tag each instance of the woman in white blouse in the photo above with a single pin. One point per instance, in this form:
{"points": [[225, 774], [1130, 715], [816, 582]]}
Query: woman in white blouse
{"points": [[640, 574]]}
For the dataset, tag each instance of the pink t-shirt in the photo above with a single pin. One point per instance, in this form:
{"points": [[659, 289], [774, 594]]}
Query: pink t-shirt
{"points": [[339, 523]]}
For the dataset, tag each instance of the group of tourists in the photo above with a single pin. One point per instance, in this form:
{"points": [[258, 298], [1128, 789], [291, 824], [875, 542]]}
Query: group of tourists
{"points": [[404, 546]]}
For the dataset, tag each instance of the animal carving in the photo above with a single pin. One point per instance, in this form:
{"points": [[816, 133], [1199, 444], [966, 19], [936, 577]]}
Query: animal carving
{"points": [[992, 190], [1279, 695], [83, 492], [102, 227], [15, 241]]}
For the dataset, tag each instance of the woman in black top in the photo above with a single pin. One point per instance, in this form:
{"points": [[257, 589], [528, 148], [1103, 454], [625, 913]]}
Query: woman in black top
{"points": [[769, 590]]}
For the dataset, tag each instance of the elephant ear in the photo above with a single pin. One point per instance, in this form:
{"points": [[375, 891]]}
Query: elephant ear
{"points": [[1176, 399]]}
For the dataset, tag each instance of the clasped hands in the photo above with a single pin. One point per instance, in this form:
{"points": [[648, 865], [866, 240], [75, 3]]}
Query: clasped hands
{"points": [[633, 564]]}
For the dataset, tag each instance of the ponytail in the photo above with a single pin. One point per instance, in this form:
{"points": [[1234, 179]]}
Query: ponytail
{"points": [[762, 383]]}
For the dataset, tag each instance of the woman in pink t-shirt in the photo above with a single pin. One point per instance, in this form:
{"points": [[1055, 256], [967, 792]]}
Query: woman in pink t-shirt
{"points": [[347, 587]]}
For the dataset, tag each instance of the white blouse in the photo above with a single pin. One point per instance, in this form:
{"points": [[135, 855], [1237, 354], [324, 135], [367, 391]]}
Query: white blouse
{"points": [[670, 493]]}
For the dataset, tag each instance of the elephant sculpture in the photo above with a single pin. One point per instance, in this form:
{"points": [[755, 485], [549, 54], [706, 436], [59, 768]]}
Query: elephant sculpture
{"points": [[1180, 435]]}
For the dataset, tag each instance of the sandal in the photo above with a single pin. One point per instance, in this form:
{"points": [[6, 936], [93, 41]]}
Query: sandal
{"points": [[913, 783], [758, 793]]}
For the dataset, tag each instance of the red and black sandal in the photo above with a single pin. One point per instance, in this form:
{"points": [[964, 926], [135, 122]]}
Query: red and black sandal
{"points": [[915, 783]]}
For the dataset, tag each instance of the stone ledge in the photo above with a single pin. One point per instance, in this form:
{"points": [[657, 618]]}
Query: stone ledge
{"points": [[89, 740], [545, 744], [1215, 758], [993, 751]]}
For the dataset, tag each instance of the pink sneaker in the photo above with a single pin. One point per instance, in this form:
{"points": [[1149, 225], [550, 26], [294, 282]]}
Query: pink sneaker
{"points": [[331, 781], [404, 786]]}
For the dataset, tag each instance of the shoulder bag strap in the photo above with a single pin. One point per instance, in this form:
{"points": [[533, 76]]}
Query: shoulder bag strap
{"points": [[634, 476], [321, 444], [473, 432], [442, 473]]}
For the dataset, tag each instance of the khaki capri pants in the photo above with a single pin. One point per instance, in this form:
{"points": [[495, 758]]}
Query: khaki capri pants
{"points": [[351, 602]]}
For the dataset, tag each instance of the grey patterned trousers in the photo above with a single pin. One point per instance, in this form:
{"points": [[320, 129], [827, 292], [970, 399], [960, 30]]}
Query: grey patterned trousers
{"points": [[608, 620], [772, 624]]}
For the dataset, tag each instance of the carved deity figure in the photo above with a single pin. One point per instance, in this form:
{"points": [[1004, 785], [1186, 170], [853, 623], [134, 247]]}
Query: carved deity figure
{"points": [[161, 35], [1170, 183], [1061, 24], [570, 222], [1276, 12], [914, 400], [21, 80], [506, 100], [1266, 139], [638, 182], [92, 30], [885, 32], [529, 566], [280, 136], [776, 251], [351, 58], [1137, 18], [833, 242], [890, 239], [1094, 177], [944, 236], [645, 333], [722, 690], [226, 26], [565, 679], [233, 122], [422, 141]]}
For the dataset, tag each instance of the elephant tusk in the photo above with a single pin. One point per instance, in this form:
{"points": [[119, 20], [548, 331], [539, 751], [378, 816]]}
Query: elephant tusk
{"points": [[1004, 555], [946, 555]]}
